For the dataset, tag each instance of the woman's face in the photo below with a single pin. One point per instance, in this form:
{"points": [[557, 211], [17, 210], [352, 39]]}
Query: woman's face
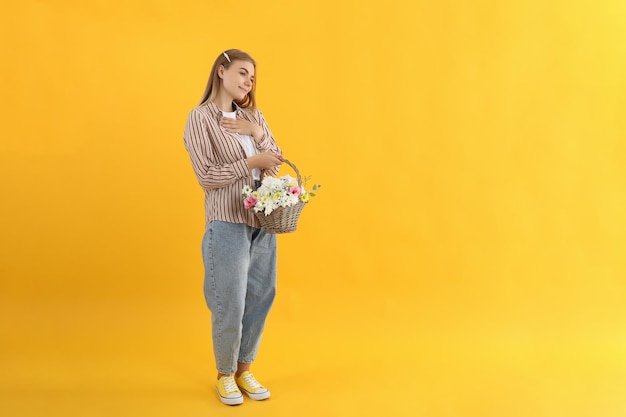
{"points": [[237, 80]]}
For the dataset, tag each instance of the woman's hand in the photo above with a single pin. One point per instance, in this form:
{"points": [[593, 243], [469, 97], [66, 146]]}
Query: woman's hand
{"points": [[264, 160], [240, 125]]}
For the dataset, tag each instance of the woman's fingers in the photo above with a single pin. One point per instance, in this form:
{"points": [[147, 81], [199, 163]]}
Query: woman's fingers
{"points": [[237, 125]]}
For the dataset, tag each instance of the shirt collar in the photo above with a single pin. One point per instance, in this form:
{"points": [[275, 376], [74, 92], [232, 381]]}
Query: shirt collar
{"points": [[217, 112]]}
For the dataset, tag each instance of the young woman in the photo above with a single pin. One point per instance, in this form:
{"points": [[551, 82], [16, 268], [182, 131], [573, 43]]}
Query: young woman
{"points": [[229, 142]]}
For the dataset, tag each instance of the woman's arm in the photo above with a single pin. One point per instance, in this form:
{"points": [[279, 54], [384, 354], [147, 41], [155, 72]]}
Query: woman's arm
{"points": [[198, 144], [267, 143]]}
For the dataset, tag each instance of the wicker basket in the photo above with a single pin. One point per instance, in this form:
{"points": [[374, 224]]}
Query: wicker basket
{"points": [[282, 219]]}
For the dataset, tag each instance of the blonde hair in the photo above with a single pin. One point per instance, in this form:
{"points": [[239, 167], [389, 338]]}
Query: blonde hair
{"points": [[226, 59]]}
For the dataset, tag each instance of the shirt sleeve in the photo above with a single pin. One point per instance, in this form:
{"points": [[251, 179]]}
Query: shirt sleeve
{"points": [[267, 142], [198, 144]]}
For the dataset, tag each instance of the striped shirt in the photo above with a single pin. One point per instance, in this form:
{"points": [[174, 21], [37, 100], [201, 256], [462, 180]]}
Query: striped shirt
{"points": [[219, 162]]}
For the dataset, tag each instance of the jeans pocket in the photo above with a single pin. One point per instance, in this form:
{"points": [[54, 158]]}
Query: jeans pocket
{"points": [[263, 242]]}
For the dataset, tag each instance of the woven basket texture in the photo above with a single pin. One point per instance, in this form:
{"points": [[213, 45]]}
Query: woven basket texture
{"points": [[283, 219]]}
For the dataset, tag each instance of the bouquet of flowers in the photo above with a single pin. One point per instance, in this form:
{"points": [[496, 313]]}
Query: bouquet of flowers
{"points": [[274, 193], [283, 194]]}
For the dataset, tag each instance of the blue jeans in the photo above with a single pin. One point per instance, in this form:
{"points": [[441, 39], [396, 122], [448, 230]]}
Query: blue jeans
{"points": [[239, 288]]}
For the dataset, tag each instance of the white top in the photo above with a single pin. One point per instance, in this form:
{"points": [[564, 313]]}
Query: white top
{"points": [[246, 142]]}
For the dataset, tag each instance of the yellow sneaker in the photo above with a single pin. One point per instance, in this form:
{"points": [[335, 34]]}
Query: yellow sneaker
{"points": [[248, 384], [227, 390]]}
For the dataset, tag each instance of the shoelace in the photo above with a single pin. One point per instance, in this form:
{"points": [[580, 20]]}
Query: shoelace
{"points": [[251, 381], [229, 385]]}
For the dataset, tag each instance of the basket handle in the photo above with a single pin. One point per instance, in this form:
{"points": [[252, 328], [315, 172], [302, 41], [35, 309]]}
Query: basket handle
{"points": [[292, 166]]}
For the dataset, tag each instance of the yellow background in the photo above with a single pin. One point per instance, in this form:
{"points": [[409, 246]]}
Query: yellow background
{"points": [[464, 257]]}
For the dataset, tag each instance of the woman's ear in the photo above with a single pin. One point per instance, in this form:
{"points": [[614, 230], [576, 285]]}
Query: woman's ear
{"points": [[220, 71]]}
